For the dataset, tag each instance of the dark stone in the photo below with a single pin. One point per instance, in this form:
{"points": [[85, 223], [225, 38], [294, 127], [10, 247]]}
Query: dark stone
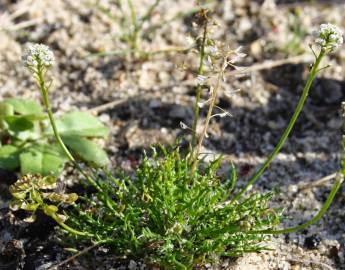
{"points": [[312, 242]]}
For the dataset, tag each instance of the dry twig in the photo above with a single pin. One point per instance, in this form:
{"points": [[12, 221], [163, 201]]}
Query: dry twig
{"points": [[318, 183], [82, 252]]}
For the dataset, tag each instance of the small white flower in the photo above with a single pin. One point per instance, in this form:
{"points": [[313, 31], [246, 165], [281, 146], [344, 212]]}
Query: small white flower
{"points": [[183, 125], [213, 50], [237, 55], [38, 54], [201, 79], [329, 36], [201, 104]]}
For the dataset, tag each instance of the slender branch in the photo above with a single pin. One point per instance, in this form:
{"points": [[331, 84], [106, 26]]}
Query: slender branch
{"points": [[82, 252], [319, 182], [268, 64]]}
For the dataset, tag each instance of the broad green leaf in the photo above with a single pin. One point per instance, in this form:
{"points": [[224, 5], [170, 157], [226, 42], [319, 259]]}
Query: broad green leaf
{"points": [[25, 106], [18, 123], [22, 127], [42, 159], [80, 124], [86, 150], [9, 157]]}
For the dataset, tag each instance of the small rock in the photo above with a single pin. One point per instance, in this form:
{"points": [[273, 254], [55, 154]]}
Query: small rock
{"points": [[312, 242], [256, 49], [293, 188], [155, 103], [132, 265], [295, 267], [105, 118], [244, 25]]}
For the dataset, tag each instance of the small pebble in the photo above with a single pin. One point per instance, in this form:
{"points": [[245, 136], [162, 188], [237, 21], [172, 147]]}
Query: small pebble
{"points": [[312, 242]]}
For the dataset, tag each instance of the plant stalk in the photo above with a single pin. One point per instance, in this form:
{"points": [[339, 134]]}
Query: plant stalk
{"points": [[44, 92], [198, 88], [134, 34], [315, 219], [287, 131], [69, 229], [208, 117]]}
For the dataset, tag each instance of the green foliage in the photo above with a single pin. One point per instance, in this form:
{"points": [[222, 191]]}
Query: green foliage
{"points": [[298, 34], [175, 218], [135, 27], [29, 145]]}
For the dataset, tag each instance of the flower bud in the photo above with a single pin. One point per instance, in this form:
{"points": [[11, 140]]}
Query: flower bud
{"points": [[36, 55], [329, 37]]}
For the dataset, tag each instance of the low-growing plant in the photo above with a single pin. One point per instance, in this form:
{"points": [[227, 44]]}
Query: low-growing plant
{"points": [[133, 29], [177, 212], [172, 217], [296, 33], [28, 143]]}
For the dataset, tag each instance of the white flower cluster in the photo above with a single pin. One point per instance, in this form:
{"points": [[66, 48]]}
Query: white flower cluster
{"points": [[329, 36], [38, 54]]}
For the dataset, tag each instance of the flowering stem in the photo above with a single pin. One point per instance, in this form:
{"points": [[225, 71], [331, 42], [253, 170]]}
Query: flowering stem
{"points": [[287, 131], [68, 228], [209, 116], [44, 92], [198, 89], [315, 219]]}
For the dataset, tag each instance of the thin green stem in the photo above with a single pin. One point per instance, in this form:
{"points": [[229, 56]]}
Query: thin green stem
{"points": [[134, 35], [287, 131], [315, 219], [44, 92], [69, 229], [149, 13], [199, 87]]}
